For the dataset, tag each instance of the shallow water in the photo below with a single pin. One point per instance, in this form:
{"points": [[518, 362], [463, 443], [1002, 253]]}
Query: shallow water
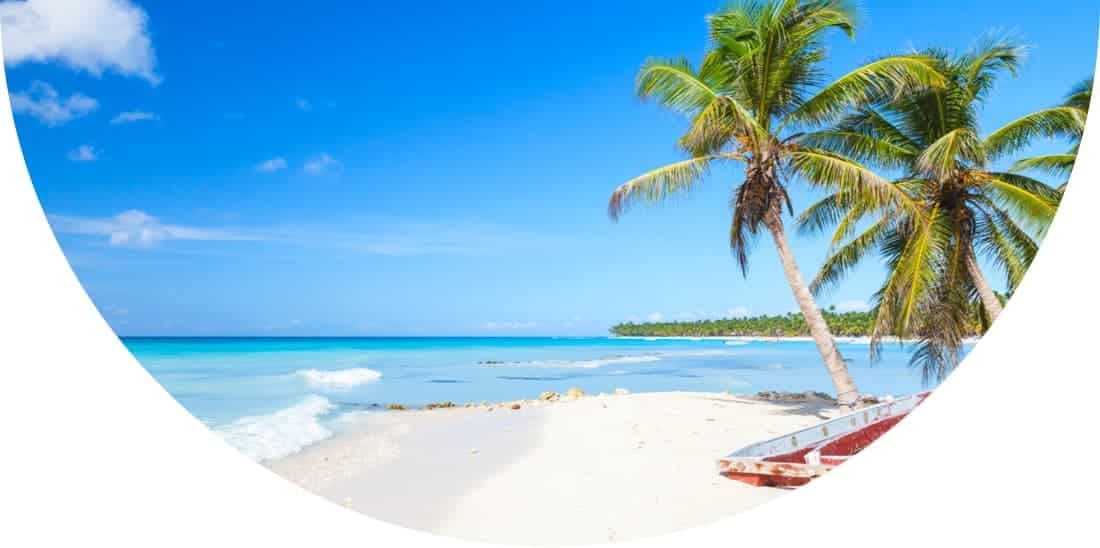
{"points": [[270, 397]]}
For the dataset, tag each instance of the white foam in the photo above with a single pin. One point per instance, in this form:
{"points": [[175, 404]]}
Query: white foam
{"points": [[618, 360], [615, 360], [340, 379], [699, 353], [282, 433], [581, 364]]}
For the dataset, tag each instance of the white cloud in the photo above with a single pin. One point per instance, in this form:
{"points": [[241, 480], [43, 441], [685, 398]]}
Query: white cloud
{"points": [[852, 306], [95, 36], [304, 104], [43, 102], [84, 153], [738, 312], [392, 238], [132, 116], [272, 165], [655, 317], [135, 228], [403, 239], [321, 164], [497, 326]]}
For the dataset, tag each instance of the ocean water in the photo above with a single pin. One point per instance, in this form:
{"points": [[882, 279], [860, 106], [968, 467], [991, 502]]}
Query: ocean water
{"points": [[271, 397]]}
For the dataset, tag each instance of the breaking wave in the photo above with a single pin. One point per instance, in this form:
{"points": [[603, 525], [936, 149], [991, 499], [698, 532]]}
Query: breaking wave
{"points": [[698, 353], [583, 364], [340, 379], [282, 433], [611, 360]]}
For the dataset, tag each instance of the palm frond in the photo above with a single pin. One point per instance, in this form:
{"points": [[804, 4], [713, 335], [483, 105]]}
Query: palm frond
{"points": [[1047, 123], [848, 256], [1009, 247], [873, 122], [811, 18], [657, 185], [1031, 201], [675, 85], [914, 272], [722, 121], [953, 151], [861, 147], [825, 212], [941, 331], [886, 78], [992, 55], [1060, 165], [1080, 96], [830, 170]]}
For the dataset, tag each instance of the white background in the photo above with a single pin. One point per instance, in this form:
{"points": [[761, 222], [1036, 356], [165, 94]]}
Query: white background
{"points": [[96, 452]]}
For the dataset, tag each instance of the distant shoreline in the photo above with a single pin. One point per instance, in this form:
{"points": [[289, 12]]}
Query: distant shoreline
{"points": [[845, 326], [761, 338]]}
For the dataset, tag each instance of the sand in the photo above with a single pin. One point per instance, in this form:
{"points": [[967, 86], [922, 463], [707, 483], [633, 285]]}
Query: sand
{"points": [[586, 470]]}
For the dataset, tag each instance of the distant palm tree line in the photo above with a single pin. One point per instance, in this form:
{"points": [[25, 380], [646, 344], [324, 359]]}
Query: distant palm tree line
{"points": [[842, 324], [897, 146]]}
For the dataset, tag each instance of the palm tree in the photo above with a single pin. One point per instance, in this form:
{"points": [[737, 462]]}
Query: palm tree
{"points": [[1063, 121], [757, 83], [957, 207]]}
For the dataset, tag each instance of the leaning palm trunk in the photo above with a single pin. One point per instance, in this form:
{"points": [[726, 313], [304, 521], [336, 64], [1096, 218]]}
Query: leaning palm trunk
{"points": [[755, 89], [846, 392], [989, 299]]}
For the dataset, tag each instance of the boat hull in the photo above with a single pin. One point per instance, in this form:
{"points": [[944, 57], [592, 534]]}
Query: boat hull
{"points": [[797, 458]]}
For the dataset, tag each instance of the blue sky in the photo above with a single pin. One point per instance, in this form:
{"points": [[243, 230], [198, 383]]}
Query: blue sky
{"points": [[362, 168]]}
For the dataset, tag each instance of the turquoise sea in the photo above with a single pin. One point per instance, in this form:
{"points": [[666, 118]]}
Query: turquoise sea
{"points": [[273, 396]]}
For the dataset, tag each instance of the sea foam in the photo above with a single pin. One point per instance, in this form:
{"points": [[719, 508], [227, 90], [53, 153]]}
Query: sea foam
{"points": [[698, 353], [616, 360], [282, 433], [584, 364], [339, 379]]}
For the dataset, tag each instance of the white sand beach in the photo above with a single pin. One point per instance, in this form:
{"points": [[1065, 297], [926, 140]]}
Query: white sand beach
{"points": [[593, 469]]}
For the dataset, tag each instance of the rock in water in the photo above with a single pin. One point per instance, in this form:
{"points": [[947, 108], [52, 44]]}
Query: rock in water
{"points": [[574, 393], [621, 391], [515, 406], [549, 396]]}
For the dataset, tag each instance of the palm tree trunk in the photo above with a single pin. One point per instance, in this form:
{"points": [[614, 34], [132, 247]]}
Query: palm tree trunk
{"points": [[846, 392], [989, 299]]}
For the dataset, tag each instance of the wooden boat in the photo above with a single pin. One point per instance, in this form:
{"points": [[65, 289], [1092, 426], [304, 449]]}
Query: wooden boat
{"points": [[796, 458]]}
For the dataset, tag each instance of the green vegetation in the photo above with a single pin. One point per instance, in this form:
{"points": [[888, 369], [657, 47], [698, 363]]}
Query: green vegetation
{"points": [[954, 207], [847, 324], [1063, 121], [758, 87], [897, 146]]}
